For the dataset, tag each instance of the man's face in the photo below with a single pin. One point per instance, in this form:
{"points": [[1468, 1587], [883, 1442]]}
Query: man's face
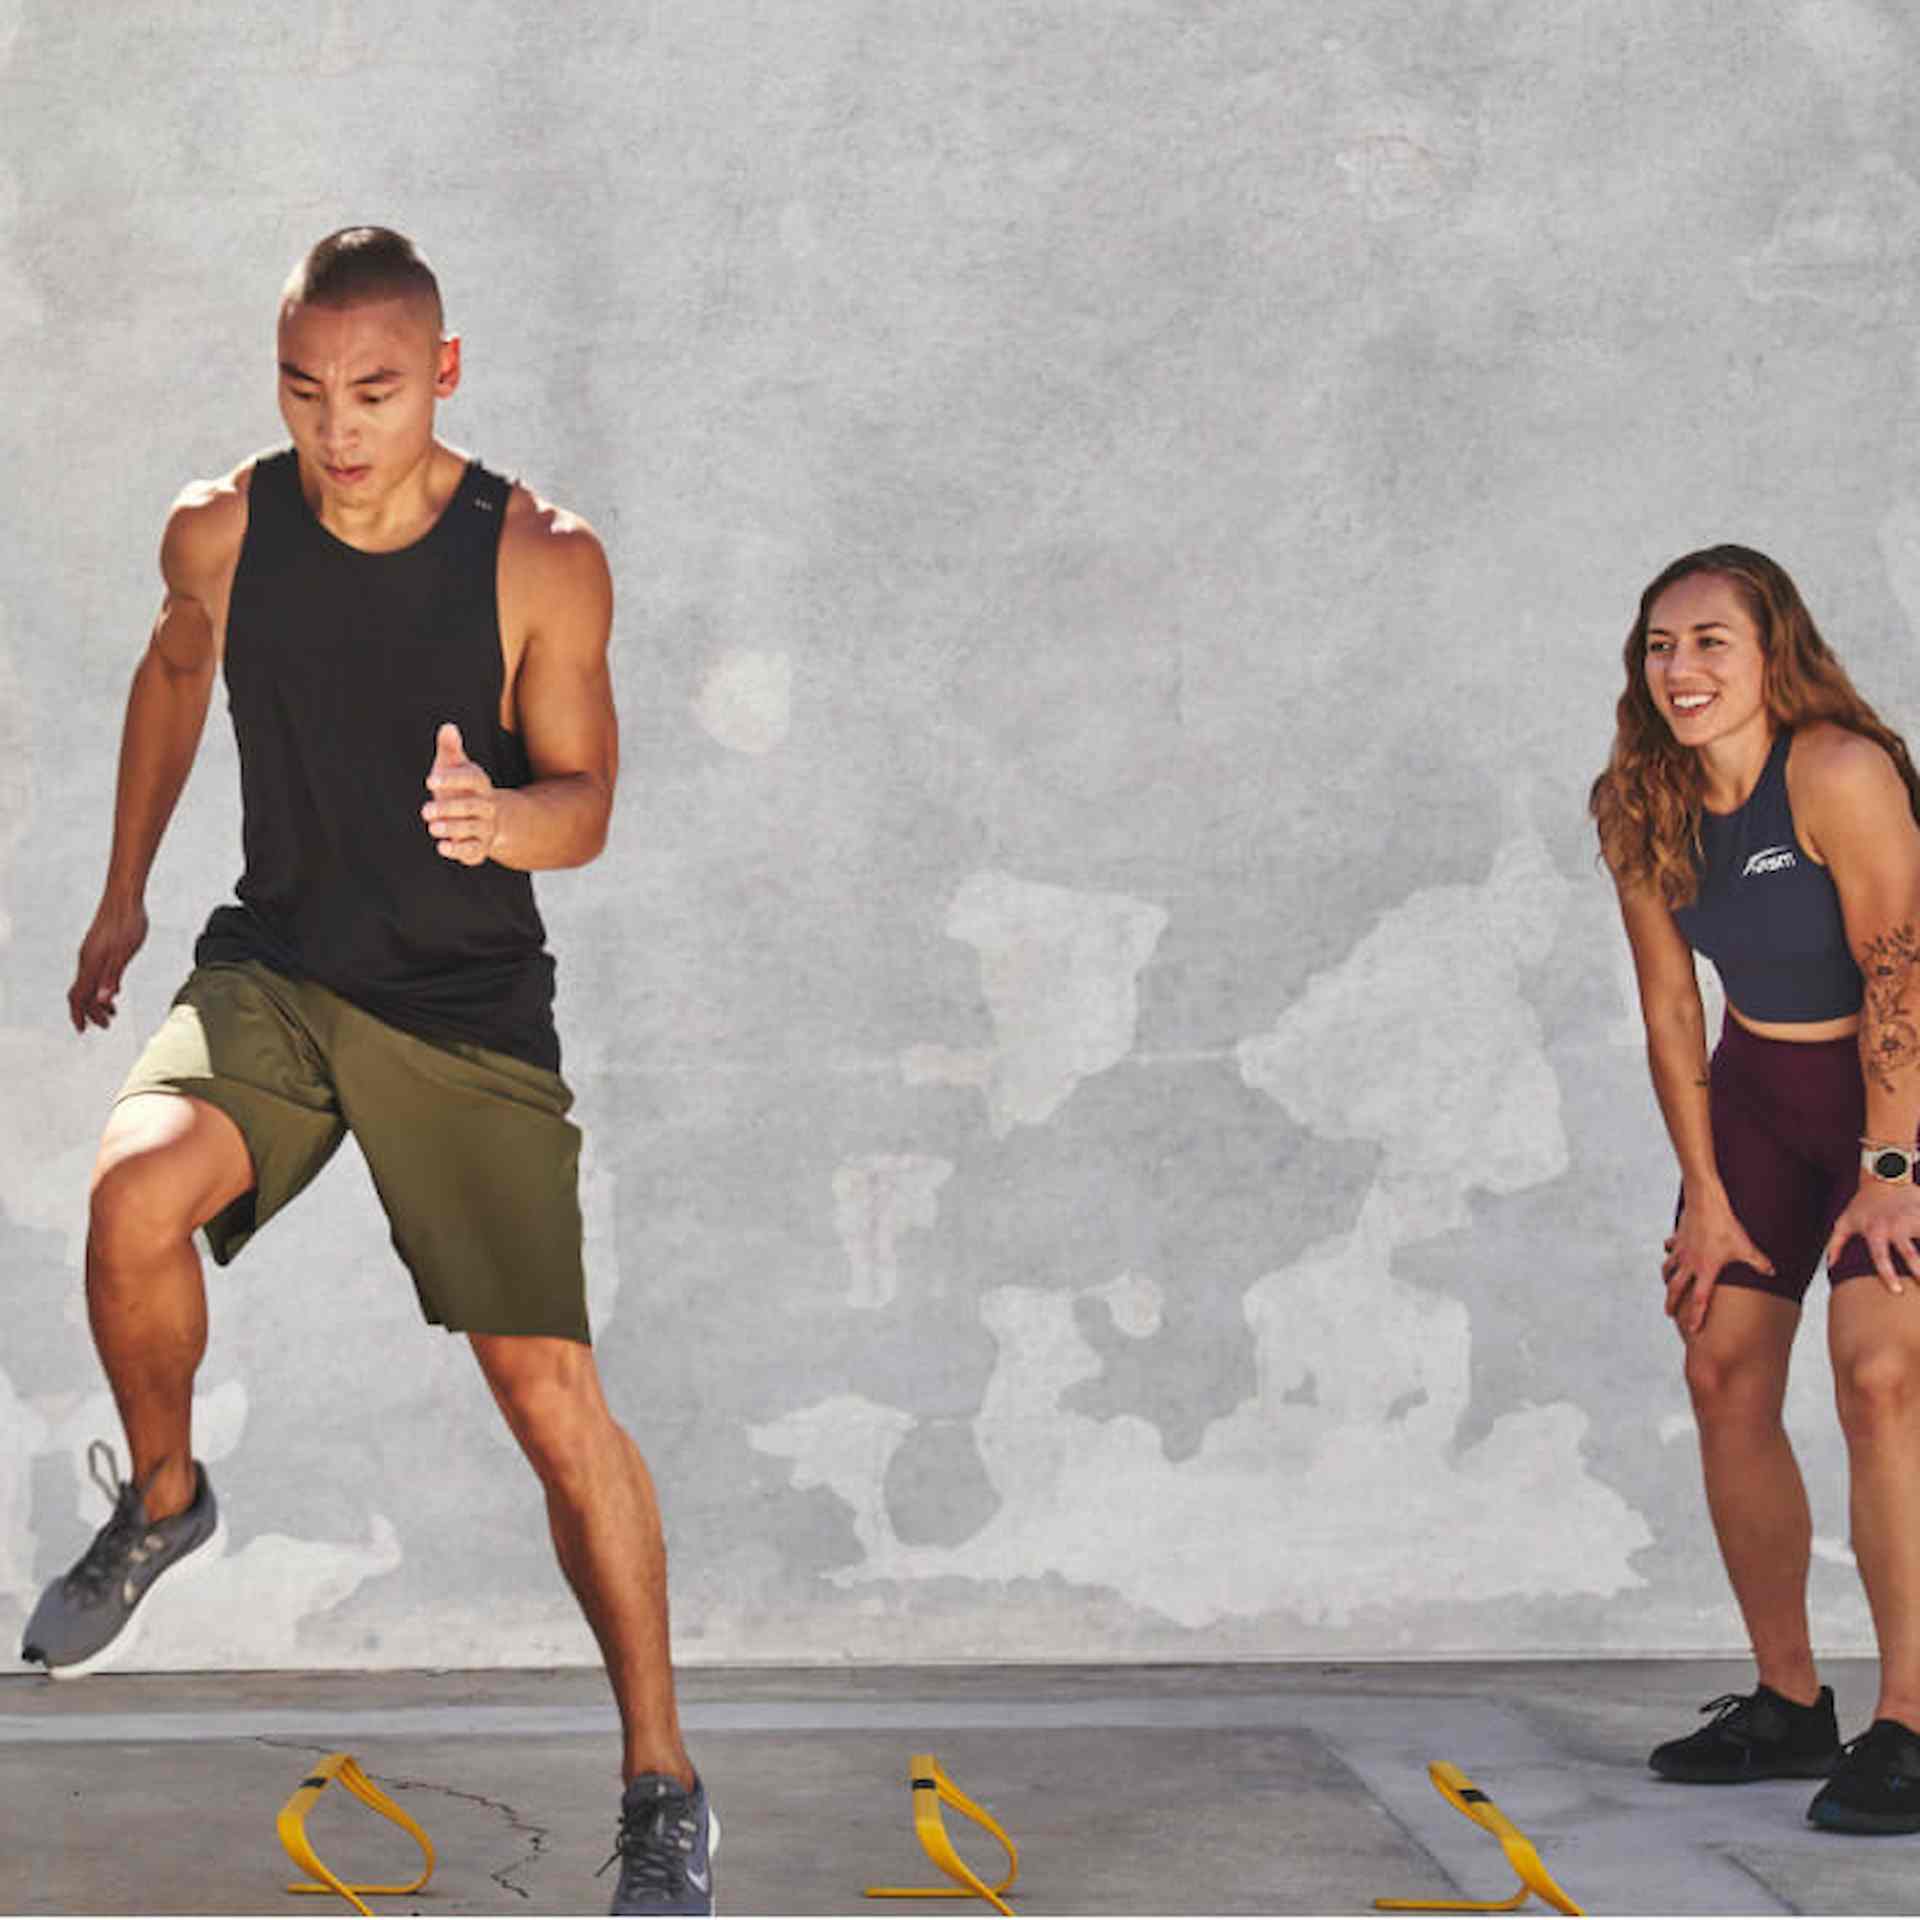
{"points": [[357, 391]]}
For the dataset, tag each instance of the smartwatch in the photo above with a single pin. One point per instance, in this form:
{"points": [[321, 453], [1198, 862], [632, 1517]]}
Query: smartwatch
{"points": [[1888, 1163]]}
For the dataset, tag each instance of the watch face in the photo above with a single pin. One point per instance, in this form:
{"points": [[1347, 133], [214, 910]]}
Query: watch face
{"points": [[1892, 1165]]}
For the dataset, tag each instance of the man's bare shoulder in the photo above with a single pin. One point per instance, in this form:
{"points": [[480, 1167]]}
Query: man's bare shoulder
{"points": [[547, 534], [205, 526], [554, 559]]}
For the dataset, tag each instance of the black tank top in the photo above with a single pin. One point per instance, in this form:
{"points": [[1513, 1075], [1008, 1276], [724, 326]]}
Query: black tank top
{"points": [[340, 667], [1768, 915]]}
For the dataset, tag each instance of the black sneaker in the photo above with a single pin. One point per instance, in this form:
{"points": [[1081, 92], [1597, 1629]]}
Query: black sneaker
{"points": [[1760, 1735], [87, 1615], [1876, 1786]]}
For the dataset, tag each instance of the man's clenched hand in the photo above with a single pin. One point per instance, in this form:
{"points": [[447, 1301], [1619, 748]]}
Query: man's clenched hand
{"points": [[464, 813]]}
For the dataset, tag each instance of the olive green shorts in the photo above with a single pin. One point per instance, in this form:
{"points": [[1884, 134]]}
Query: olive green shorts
{"points": [[470, 1150]]}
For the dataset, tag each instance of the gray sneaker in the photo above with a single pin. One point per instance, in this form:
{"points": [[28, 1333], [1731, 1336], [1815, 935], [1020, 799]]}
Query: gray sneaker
{"points": [[85, 1615], [665, 1847]]}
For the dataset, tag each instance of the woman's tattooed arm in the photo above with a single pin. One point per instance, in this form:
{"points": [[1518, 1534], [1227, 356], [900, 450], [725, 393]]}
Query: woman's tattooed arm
{"points": [[1890, 1022]]}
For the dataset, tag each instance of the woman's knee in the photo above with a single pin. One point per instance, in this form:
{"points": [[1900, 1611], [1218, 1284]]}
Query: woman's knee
{"points": [[1733, 1387], [1877, 1388]]}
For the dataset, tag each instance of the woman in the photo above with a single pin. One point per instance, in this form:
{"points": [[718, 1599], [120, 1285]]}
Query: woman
{"points": [[1755, 808]]}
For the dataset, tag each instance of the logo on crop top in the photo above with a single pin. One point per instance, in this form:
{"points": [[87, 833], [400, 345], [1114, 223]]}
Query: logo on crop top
{"points": [[1768, 860]]}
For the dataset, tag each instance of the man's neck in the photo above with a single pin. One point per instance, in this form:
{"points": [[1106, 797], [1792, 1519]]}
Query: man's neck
{"points": [[403, 515]]}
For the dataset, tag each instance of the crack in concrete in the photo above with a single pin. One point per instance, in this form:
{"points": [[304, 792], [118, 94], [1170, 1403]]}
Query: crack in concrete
{"points": [[537, 1836]]}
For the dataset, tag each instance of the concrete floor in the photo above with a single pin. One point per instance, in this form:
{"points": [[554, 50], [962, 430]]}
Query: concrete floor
{"points": [[1296, 1789]]}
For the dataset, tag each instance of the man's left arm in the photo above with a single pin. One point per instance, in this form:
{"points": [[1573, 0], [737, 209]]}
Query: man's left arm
{"points": [[1862, 824], [554, 569]]}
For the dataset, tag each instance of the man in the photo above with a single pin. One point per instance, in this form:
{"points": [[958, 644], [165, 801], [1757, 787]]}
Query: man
{"points": [[387, 613]]}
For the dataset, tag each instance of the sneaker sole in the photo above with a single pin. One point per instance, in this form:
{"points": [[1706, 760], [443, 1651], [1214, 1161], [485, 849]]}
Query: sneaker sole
{"points": [[1804, 1770], [192, 1566], [1854, 1820], [713, 1848]]}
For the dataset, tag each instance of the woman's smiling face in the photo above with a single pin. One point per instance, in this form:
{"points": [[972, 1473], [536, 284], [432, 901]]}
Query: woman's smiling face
{"points": [[1705, 665]]}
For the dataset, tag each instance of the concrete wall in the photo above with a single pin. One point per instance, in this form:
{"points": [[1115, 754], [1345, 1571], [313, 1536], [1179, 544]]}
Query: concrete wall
{"points": [[1116, 1118]]}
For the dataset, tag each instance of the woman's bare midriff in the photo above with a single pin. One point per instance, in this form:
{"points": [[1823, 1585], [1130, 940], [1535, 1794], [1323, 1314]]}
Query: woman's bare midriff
{"points": [[1848, 1023]]}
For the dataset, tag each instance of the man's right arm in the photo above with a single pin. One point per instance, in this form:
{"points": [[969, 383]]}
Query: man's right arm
{"points": [[166, 712]]}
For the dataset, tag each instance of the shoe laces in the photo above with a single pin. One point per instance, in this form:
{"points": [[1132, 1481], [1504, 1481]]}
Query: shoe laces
{"points": [[105, 1561], [654, 1845], [1727, 1706]]}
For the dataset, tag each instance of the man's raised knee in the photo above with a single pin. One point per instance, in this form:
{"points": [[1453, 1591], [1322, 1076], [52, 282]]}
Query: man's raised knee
{"points": [[166, 1165], [136, 1209]]}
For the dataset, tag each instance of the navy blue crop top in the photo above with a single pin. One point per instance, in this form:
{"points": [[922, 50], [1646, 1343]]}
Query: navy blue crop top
{"points": [[1768, 914]]}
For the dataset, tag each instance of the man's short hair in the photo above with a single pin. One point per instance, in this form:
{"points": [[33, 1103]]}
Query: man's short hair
{"points": [[363, 263]]}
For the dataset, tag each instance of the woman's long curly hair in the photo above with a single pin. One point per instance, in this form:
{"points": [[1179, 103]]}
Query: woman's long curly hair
{"points": [[1647, 802]]}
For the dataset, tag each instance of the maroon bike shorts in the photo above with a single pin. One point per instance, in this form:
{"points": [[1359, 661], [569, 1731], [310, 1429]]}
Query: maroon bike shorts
{"points": [[1787, 1119]]}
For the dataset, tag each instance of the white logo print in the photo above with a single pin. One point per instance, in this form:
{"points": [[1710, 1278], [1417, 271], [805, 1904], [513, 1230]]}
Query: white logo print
{"points": [[1768, 860]]}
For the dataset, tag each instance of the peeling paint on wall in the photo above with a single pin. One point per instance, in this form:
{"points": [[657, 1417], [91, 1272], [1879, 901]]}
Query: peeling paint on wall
{"points": [[1060, 972], [878, 1198], [1134, 1303], [1423, 1044], [844, 1444], [1341, 1484], [1325, 1510], [248, 1609]]}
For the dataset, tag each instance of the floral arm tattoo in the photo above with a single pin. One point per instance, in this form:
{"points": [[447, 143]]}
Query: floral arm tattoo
{"points": [[1889, 1036]]}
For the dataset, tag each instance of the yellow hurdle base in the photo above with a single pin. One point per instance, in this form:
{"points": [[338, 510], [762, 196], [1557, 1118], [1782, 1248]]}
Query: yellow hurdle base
{"points": [[1459, 1792], [292, 1827], [931, 1789]]}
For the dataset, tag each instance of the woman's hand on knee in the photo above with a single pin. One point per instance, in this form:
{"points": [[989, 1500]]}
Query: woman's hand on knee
{"points": [[1708, 1239], [1886, 1215]]}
